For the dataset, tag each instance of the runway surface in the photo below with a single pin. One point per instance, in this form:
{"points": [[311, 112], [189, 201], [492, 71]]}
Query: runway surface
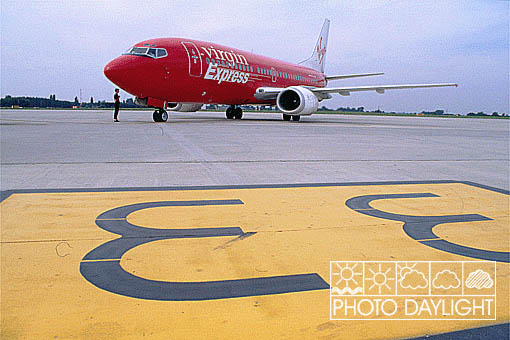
{"points": [[206, 228], [67, 149]]}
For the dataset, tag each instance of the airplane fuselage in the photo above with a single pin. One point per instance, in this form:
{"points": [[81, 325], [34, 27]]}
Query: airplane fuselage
{"points": [[202, 72]]}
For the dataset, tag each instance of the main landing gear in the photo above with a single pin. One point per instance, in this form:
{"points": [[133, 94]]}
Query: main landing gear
{"points": [[294, 118], [160, 116], [234, 112]]}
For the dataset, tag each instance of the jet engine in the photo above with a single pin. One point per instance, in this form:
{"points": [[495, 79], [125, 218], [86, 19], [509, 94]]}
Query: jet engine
{"points": [[297, 101], [184, 107]]}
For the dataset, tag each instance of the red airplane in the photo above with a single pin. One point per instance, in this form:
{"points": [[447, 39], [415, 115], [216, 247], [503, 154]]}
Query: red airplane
{"points": [[179, 74]]}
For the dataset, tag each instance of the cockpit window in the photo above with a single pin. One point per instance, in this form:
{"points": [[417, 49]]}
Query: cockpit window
{"points": [[152, 52], [147, 52], [161, 52]]}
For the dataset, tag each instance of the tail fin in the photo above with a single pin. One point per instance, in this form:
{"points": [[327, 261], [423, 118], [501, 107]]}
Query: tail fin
{"points": [[318, 58]]}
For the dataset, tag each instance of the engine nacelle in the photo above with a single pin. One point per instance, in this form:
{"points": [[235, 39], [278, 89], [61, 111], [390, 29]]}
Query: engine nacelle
{"points": [[297, 101], [184, 107]]}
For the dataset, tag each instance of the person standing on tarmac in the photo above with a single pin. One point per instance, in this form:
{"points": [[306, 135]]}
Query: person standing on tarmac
{"points": [[116, 97]]}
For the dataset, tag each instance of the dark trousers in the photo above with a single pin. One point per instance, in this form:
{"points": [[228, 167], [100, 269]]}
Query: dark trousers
{"points": [[116, 113]]}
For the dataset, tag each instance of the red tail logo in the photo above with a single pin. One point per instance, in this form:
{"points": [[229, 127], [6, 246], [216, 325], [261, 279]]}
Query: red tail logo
{"points": [[321, 51]]}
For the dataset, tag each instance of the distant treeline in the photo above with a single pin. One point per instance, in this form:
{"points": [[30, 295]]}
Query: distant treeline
{"points": [[344, 109], [52, 102], [481, 114], [423, 113]]}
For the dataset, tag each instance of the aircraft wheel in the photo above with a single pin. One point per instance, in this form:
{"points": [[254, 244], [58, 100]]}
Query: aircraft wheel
{"points": [[230, 113], [160, 116], [164, 115], [296, 118], [156, 116], [238, 113], [286, 117]]}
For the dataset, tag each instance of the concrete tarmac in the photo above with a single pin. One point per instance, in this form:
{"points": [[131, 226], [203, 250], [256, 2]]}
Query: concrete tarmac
{"points": [[75, 149], [203, 228]]}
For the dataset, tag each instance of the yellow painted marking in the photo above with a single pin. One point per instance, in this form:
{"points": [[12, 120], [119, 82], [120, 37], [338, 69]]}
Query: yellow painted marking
{"points": [[298, 230], [491, 231]]}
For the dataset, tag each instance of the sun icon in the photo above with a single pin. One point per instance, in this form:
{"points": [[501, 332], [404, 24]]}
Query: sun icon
{"points": [[347, 274], [380, 279]]}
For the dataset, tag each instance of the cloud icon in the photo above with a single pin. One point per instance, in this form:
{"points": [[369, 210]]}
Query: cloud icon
{"points": [[479, 280], [446, 279], [413, 279]]}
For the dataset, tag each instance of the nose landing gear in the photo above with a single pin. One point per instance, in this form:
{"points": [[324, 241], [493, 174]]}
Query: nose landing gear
{"points": [[160, 116]]}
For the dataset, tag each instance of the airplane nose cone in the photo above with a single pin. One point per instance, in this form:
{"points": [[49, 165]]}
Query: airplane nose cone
{"points": [[115, 70], [131, 73], [128, 72]]}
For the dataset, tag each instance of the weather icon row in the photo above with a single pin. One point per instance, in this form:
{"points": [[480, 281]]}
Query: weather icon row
{"points": [[432, 278]]}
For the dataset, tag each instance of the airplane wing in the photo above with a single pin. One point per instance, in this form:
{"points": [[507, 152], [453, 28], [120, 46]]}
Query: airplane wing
{"points": [[270, 93], [328, 78], [346, 90]]}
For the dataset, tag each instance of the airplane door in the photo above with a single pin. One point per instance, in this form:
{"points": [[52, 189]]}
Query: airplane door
{"points": [[194, 58], [273, 74]]}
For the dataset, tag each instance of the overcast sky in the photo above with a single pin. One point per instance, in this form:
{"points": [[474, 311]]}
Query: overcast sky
{"points": [[61, 47]]}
